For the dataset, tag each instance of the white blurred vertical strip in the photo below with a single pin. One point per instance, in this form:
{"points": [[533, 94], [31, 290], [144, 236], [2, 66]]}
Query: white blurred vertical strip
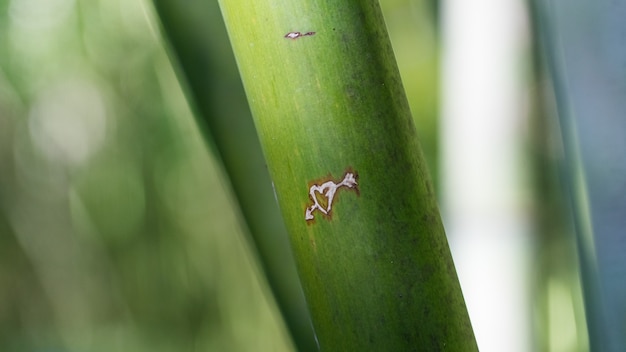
{"points": [[482, 127]]}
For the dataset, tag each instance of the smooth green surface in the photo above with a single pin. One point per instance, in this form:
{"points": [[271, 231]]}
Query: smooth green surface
{"points": [[378, 275]]}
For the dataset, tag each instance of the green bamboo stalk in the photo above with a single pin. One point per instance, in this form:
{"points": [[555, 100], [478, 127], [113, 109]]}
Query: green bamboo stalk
{"points": [[349, 175]]}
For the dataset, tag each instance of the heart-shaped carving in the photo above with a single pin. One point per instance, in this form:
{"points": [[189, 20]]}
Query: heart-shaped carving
{"points": [[323, 195]]}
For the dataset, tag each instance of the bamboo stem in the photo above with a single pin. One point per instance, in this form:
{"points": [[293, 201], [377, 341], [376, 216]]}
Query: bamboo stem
{"points": [[350, 178]]}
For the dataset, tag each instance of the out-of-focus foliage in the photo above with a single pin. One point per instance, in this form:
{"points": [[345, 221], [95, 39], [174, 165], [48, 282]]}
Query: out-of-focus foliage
{"points": [[115, 232]]}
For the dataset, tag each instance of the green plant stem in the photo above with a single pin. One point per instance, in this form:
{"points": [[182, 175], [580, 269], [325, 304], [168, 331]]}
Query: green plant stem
{"points": [[328, 103]]}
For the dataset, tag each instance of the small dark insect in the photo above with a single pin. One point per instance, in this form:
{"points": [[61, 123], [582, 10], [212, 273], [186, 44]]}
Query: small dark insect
{"points": [[296, 35]]}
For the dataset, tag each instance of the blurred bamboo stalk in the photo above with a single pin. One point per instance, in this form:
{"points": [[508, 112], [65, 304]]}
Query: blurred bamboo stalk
{"points": [[349, 175], [199, 49], [559, 318], [587, 62]]}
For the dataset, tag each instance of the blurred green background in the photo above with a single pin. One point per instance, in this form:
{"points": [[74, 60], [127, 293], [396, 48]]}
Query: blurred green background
{"points": [[116, 233], [118, 227]]}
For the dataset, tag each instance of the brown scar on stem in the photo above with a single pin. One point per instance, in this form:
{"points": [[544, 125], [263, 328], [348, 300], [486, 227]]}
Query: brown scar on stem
{"points": [[322, 193], [296, 35]]}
